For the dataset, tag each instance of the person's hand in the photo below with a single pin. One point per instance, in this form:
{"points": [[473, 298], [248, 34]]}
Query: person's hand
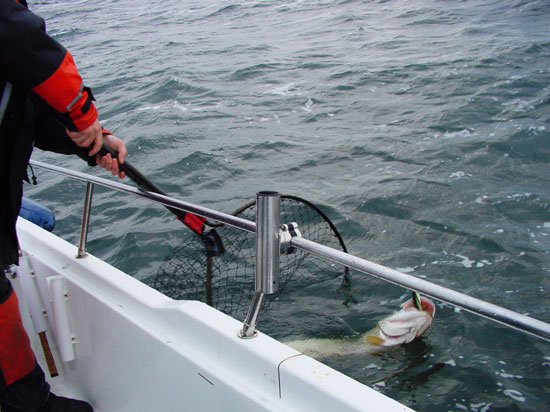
{"points": [[92, 135], [107, 162]]}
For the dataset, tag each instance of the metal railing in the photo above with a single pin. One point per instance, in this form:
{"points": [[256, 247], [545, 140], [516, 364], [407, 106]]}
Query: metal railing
{"points": [[267, 264]]}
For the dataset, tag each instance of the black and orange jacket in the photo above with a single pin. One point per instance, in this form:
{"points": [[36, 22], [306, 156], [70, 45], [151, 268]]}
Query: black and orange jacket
{"points": [[47, 96], [32, 60]]}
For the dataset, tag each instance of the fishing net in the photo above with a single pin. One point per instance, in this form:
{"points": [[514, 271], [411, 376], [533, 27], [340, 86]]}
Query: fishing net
{"points": [[226, 282]]}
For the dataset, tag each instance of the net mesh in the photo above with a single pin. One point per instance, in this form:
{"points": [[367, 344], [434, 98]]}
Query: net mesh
{"points": [[226, 282]]}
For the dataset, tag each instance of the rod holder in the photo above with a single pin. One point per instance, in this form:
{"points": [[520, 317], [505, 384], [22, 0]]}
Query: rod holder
{"points": [[267, 241], [85, 220], [267, 255]]}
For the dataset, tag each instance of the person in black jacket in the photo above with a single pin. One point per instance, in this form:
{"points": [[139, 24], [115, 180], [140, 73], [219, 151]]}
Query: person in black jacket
{"points": [[43, 103]]}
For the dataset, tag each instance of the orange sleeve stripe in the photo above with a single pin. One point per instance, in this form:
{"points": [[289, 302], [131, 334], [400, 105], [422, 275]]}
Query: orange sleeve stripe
{"points": [[63, 90], [62, 87]]}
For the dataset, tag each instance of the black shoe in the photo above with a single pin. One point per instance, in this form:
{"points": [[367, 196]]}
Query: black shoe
{"points": [[59, 404]]}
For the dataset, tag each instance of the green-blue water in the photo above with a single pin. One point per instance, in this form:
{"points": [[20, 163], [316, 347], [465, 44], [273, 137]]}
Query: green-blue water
{"points": [[422, 128]]}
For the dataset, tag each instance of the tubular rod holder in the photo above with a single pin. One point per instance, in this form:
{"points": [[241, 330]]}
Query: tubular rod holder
{"points": [[267, 241], [267, 255]]}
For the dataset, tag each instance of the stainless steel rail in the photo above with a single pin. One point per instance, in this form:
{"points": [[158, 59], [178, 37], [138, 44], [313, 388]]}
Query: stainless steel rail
{"points": [[479, 307], [165, 200]]}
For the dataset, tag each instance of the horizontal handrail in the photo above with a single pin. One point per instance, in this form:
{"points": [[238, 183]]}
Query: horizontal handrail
{"points": [[488, 310], [155, 197], [479, 307]]}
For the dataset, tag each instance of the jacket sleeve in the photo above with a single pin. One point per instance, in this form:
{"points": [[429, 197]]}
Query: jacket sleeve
{"points": [[34, 61], [50, 135]]}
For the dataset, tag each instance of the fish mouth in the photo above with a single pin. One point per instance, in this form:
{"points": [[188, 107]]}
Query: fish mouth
{"points": [[427, 306]]}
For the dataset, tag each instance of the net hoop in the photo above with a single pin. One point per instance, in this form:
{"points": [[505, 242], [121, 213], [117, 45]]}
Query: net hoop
{"points": [[226, 282]]}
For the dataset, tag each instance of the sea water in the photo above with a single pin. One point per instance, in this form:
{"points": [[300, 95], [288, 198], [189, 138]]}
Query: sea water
{"points": [[421, 127]]}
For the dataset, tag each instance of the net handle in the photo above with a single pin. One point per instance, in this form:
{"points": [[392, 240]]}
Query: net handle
{"points": [[211, 240]]}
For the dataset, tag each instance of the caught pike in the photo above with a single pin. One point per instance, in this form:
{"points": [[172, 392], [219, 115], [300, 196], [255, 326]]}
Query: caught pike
{"points": [[414, 318]]}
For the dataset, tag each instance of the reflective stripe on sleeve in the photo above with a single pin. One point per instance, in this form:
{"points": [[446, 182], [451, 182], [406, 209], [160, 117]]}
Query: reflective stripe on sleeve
{"points": [[64, 91]]}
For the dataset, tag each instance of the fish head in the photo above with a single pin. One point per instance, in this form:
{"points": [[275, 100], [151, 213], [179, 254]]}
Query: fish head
{"points": [[408, 324]]}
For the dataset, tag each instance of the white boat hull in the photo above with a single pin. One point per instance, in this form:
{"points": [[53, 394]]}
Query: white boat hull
{"points": [[137, 350]]}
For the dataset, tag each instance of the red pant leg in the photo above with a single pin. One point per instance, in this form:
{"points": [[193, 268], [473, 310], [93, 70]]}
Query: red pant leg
{"points": [[16, 355], [22, 382]]}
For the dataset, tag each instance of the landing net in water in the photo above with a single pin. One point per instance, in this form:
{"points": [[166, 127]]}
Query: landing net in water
{"points": [[226, 282]]}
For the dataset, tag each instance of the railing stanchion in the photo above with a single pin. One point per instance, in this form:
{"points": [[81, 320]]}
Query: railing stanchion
{"points": [[85, 220]]}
